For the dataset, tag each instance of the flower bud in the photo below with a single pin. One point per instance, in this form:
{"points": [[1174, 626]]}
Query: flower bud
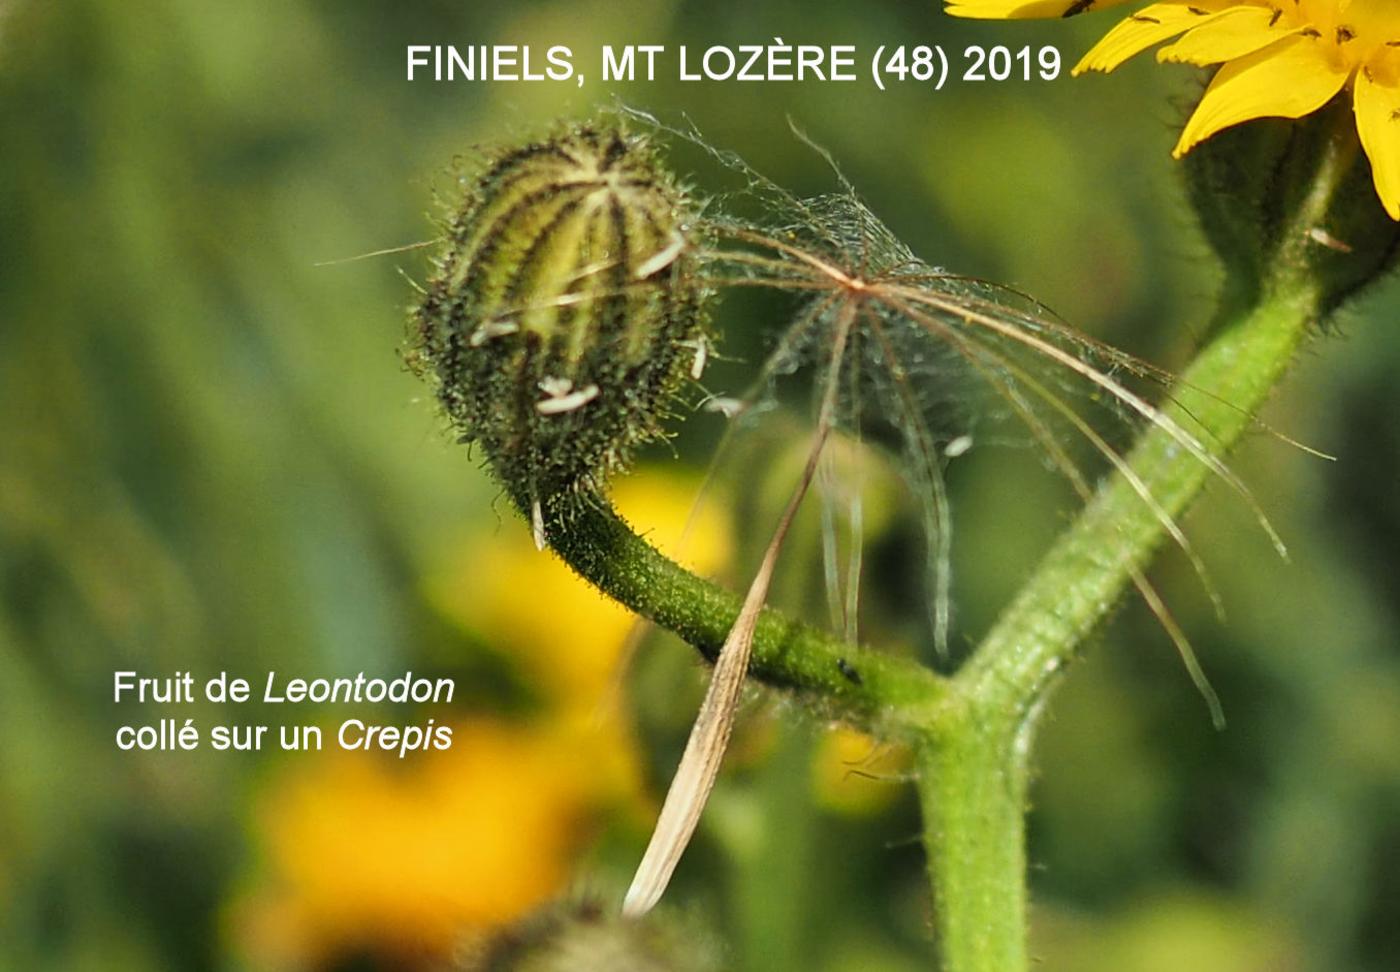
{"points": [[565, 310], [1293, 196], [583, 937]]}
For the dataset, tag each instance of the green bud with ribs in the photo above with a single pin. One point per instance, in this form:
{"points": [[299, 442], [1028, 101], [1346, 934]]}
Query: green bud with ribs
{"points": [[565, 311]]}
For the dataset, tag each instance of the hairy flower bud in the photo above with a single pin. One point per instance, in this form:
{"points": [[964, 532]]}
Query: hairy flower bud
{"points": [[583, 937], [1283, 195], [565, 311]]}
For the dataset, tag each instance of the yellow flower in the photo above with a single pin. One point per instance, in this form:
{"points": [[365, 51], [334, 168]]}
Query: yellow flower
{"points": [[403, 860], [1024, 9], [1278, 59]]}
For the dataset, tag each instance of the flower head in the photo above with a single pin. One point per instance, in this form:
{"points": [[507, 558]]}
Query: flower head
{"points": [[1276, 58], [564, 312]]}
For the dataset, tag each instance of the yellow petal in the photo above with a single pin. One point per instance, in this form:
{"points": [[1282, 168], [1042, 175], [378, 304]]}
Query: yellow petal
{"points": [[1378, 122], [1148, 26], [1233, 33], [1287, 79], [1374, 18], [1021, 9]]}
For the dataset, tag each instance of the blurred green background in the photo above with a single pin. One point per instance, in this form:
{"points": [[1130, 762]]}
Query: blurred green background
{"points": [[211, 458]]}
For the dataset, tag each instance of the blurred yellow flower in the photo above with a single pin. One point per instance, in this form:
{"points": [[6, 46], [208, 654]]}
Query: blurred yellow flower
{"points": [[405, 859], [1277, 60], [856, 775], [1024, 9]]}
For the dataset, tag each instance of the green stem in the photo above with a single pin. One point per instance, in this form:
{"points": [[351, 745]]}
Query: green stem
{"points": [[870, 688], [972, 788], [973, 766], [972, 733], [1115, 536], [1093, 562]]}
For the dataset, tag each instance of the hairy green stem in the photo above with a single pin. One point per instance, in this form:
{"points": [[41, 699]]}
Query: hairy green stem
{"points": [[974, 766], [1093, 561], [975, 772], [972, 781], [972, 733], [870, 688]]}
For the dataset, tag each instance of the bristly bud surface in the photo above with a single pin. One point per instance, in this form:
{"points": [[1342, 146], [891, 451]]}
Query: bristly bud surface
{"points": [[564, 313], [1280, 197]]}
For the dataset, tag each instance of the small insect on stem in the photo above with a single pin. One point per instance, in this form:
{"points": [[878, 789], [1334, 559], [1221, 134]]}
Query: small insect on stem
{"points": [[848, 671]]}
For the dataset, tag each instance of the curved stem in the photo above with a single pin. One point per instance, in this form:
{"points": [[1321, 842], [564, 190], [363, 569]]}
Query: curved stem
{"points": [[974, 762], [869, 688], [971, 733]]}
